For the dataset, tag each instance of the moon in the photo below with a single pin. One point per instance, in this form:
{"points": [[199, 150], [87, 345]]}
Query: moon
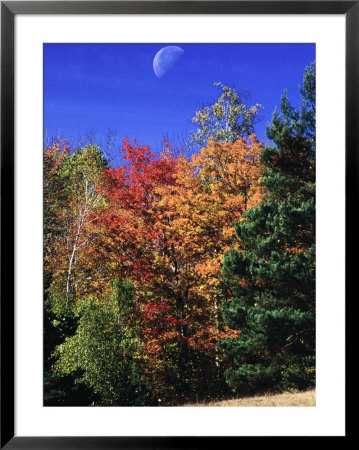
{"points": [[165, 59]]}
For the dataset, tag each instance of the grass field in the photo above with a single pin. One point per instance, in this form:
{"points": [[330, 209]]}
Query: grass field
{"points": [[286, 399]]}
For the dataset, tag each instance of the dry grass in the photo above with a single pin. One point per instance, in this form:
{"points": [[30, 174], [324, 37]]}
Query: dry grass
{"points": [[287, 399]]}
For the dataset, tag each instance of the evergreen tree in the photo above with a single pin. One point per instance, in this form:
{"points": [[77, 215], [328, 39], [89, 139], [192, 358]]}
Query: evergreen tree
{"points": [[271, 278]]}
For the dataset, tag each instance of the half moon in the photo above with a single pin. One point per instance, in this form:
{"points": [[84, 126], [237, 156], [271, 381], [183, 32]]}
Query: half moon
{"points": [[165, 59]]}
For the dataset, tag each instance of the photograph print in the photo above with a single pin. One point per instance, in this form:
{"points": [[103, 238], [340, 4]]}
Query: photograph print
{"points": [[179, 224]]}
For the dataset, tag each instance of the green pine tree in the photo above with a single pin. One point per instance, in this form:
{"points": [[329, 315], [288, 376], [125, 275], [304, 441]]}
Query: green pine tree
{"points": [[272, 278]]}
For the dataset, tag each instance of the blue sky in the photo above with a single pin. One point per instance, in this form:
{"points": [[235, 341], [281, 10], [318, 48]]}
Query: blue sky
{"points": [[89, 88]]}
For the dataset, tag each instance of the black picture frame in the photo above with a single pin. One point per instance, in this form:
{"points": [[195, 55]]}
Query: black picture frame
{"points": [[9, 9]]}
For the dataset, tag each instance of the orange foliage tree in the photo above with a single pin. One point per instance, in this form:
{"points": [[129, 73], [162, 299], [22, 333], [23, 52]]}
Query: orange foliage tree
{"points": [[167, 223], [164, 223]]}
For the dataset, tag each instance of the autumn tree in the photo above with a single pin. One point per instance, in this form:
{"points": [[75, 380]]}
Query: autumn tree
{"points": [[271, 277], [72, 198], [54, 199], [79, 178], [199, 208], [226, 120], [159, 227]]}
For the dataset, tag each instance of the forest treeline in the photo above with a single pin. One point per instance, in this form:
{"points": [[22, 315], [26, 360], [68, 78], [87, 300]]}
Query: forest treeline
{"points": [[169, 278]]}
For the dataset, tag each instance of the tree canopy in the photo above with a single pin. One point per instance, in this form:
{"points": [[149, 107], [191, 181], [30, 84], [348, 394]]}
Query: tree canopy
{"points": [[169, 278]]}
